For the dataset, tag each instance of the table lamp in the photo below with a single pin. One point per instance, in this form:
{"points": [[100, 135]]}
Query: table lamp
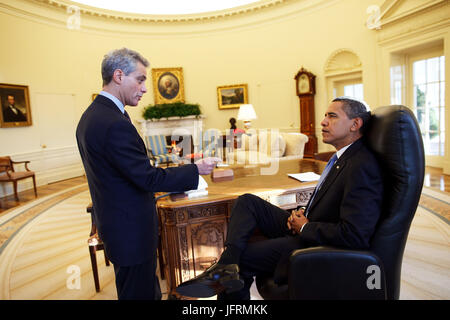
{"points": [[246, 113]]}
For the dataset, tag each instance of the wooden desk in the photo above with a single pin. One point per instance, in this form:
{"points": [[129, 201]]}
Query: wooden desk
{"points": [[193, 231]]}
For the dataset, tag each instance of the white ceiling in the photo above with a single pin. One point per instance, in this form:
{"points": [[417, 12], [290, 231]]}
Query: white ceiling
{"points": [[163, 7]]}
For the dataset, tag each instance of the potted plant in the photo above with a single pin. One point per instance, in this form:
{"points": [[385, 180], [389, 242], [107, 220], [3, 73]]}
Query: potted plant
{"points": [[167, 110]]}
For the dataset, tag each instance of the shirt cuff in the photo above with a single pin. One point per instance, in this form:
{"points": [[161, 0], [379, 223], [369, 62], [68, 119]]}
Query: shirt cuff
{"points": [[301, 229]]}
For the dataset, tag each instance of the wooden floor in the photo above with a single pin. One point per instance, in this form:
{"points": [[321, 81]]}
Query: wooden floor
{"points": [[35, 271], [7, 203], [434, 178]]}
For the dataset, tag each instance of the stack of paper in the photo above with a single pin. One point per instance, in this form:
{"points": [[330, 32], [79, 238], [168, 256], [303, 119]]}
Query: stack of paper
{"points": [[200, 191], [305, 176]]}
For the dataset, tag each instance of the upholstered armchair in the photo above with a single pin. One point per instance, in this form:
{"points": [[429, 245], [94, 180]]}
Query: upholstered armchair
{"points": [[158, 152], [336, 273]]}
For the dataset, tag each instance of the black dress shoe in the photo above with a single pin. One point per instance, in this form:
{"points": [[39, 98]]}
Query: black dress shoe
{"points": [[215, 279]]}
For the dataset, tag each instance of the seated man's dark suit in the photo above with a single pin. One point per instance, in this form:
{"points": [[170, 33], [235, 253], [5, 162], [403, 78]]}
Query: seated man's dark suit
{"points": [[122, 182], [343, 213]]}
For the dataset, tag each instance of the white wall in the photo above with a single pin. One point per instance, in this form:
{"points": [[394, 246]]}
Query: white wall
{"points": [[263, 48]]}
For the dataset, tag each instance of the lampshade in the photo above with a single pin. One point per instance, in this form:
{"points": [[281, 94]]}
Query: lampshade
{"points": [[246, 112]]}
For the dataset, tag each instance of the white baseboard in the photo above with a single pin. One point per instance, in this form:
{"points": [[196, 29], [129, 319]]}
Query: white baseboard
{"points": [[50, 165]]}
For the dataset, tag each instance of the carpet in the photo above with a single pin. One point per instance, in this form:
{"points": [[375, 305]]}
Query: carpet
{"points": [[44, 253]]}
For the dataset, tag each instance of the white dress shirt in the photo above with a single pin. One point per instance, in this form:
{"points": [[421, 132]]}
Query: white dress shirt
{"points": [[116, 101]]}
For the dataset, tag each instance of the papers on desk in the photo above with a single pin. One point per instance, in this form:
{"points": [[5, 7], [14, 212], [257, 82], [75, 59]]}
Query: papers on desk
{"points": [[200, 191], [305, 176]]}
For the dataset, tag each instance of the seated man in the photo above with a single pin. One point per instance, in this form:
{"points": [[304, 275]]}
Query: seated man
{"points": [[342, 212]]}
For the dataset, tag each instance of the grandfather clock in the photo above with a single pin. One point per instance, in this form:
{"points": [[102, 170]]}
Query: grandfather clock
{"points": [[306, 89]]}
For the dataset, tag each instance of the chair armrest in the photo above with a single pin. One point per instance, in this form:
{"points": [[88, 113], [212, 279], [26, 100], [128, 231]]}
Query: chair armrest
{"points": [[25, 162], [20, 162], [331, 273], [6, 169]]}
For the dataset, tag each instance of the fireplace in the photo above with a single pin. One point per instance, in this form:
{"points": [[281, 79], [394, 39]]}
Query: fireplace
{"points": [[177, 129], [184, 144]]}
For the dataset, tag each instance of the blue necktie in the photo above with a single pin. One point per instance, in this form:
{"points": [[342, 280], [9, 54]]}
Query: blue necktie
{"points": [[321, 180]]}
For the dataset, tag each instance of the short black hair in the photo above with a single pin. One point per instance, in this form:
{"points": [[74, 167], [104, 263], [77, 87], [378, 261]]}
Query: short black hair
{"points": [[355, 109]]}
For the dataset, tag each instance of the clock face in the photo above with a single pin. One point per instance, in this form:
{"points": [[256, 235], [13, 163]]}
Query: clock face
{"points": [[303, 84]]}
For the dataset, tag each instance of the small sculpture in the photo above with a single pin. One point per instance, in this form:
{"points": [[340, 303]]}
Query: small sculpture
{"points": [[233, 123]]}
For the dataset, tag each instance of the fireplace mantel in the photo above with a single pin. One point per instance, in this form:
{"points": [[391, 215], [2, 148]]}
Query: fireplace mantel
{"points": [[175, 126]]}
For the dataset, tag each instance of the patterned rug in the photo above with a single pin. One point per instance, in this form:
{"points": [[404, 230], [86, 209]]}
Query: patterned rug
{"points": [[44, 253]]}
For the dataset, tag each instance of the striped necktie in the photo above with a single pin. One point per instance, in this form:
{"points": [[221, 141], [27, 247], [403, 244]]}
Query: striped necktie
{"points": [[321, 180]]}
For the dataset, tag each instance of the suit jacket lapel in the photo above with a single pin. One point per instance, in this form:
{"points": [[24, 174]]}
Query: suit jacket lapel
{"points": [[335, 171], [112, 106], [107, 103], [332, 175]]}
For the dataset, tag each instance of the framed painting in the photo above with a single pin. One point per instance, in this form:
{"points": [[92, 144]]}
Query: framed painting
{"points": [[168, 85], [15, 103], [231, 97]]}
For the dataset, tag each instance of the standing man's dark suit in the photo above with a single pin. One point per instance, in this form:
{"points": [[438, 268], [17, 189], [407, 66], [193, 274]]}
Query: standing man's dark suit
{"points": [[121, 179], [122, 182]]}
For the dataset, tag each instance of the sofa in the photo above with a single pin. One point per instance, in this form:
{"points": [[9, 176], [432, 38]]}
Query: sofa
{"points": [[266, 145]]}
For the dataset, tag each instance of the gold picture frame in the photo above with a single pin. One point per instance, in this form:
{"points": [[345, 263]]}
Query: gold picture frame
{"points": [[168, 85], [15, 106], [231, 97]]}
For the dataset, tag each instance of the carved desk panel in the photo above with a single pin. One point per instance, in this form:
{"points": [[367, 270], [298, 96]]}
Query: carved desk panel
{"points": [[193, 231]]}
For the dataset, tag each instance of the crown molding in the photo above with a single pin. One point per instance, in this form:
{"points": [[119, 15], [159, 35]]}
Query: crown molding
{"points": [[428, 17], [56, 13], [389, 7], [149, 18]]}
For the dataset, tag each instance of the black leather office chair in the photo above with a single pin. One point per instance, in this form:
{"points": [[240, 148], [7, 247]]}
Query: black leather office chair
{"points": [[334, 273]]}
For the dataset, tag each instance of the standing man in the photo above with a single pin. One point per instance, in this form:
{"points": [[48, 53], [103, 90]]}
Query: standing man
{"points": [[342, 212], [121, 180]]}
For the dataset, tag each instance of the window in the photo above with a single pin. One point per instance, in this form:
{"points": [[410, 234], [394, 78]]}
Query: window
{"points": [[349, 88], [397, 84], [355, 91], [428, 76]]}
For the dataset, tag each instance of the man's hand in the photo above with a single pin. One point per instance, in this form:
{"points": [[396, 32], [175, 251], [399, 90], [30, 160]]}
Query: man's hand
{"points": [[296, 221], [207, 165]]}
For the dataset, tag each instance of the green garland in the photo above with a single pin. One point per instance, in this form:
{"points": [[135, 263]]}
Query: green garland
{"points": [[166, 110]]}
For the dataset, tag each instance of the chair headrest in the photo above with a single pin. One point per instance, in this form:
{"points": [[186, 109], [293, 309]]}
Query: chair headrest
{"points": [[394, 135]]}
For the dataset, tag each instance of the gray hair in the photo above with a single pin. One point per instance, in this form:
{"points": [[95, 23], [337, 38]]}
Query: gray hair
{"points": [[355, 109], [123, 59]]}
